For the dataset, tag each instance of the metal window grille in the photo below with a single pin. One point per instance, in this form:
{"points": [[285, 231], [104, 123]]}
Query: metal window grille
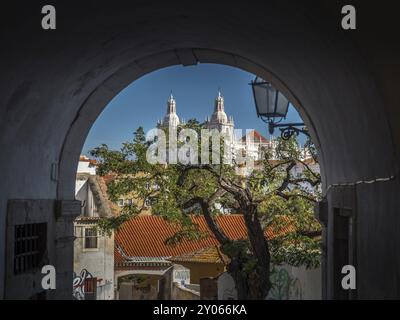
{"points": [[90, 288], [29, 246]]}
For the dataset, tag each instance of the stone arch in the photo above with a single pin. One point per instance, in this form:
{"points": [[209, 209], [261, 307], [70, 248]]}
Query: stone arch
{"points": [[51, 97]]}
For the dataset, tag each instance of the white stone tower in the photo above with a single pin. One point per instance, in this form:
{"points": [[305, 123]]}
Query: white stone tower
{"points": [[219, 120], [171, 119]]}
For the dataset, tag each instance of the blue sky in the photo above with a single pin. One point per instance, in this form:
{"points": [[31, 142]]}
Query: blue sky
{"points": [[143, 102]]}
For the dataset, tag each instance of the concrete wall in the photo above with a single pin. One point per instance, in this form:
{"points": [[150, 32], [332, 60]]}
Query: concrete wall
{"points": [[296, 283], [130, 291], [226, 287], [344, 84], [85, 167], [143, 284], [180, 292], [203, 270], [57, 238]]}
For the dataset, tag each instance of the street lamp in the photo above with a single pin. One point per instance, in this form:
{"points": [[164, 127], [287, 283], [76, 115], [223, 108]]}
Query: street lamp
{"points": [[272, 107]]}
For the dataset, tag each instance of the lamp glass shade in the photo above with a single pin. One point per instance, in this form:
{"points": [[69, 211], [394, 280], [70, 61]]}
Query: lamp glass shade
{"points": [[269, 101]]}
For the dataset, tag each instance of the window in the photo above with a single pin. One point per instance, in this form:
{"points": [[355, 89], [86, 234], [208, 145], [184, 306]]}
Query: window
{"points": [[121, 202], [29, 246], [90, 288], [90, 238]]}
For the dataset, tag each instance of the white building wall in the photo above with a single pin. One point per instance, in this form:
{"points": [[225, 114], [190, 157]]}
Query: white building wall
{"points": [[79, 186], [94, 262], [309, 282], [98, 262], [296, 283], [84, 167]]}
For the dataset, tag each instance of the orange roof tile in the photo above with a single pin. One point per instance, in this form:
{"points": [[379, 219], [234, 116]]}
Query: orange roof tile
{"points": [[86, 159], [256, 136], [145, 236], [206, 255]]}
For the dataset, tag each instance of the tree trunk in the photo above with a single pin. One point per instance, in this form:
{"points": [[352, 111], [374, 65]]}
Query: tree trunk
{"points": [[259, 244], [248, 286], [234, 268]]}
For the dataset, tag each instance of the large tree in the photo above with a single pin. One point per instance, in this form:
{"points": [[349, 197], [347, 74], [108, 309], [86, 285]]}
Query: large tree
{"points": [[264, 197]]}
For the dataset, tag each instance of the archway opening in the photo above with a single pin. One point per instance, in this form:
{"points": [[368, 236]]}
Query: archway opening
{"points": [[52, 99], [215, 97]]}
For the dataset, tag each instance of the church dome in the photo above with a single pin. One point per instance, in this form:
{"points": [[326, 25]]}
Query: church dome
{"points": [[219, 117], [171, 120]]}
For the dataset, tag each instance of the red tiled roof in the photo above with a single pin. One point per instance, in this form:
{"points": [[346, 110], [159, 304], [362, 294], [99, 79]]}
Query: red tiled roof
{"points": [[86, 159], [145, 236], [257, 137], [211, 254]]}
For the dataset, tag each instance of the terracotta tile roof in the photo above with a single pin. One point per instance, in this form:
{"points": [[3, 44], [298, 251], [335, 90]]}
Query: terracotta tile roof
{"points": [[86, 159], [118, 259], [206, 255], [145, 236], [256, 136]]}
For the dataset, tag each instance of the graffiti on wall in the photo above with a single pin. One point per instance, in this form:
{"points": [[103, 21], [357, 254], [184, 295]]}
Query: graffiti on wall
{"points": [[78, 284], [284, 287]]}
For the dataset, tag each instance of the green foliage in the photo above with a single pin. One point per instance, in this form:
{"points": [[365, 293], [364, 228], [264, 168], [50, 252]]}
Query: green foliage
{"points": [[296, 250], [271, 188], [236, 248]]}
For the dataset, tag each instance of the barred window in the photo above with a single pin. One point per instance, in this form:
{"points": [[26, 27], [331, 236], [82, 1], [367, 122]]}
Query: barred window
{"points": [[29, 246], [90, 288], [90, 238]]}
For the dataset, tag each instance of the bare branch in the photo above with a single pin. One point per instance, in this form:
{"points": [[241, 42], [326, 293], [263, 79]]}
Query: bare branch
{"points": [[313, 183], [310, 234], [217, 194], [212, 225], [286, 181], [316, 175]]}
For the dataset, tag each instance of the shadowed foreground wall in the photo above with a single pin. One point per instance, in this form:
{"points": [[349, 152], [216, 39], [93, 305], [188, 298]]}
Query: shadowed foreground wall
{"points": [[345, 85]]}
